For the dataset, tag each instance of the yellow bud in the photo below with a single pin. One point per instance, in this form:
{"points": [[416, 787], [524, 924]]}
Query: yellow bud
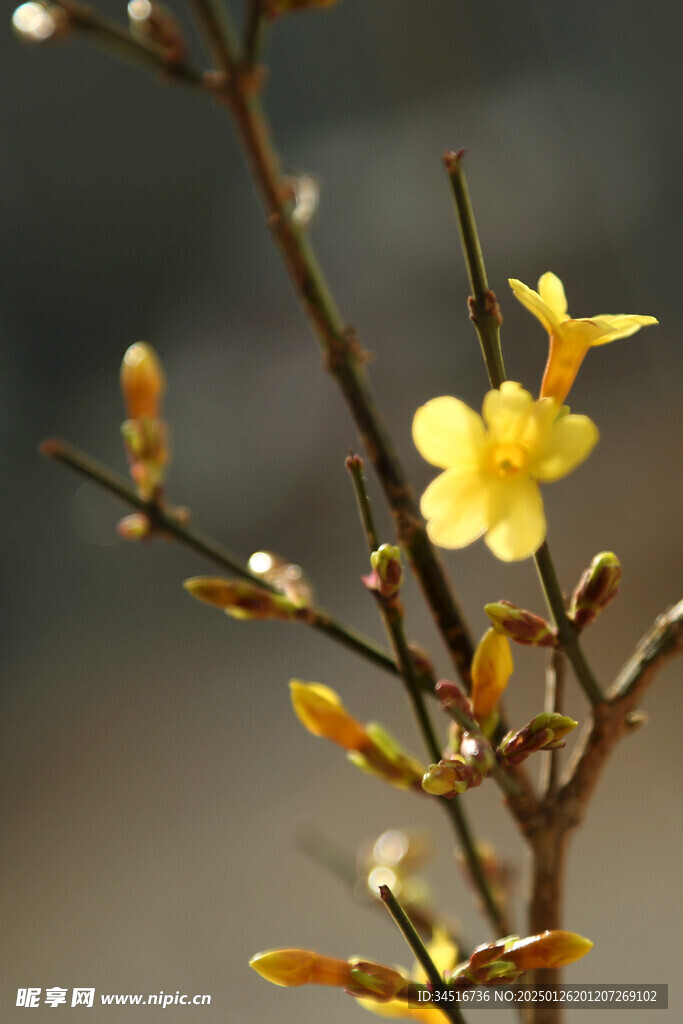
{"points": [[321, 711], [292, 967], [492, 666], [549, 949], [240, 599], [142, 381]]}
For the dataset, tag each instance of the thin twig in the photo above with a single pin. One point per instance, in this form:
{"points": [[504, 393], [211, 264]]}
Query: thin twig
{"points": [[343, 354], [392, 616], [407, 929], [116, 40], [165, 522], [483, 307], [487, 319], [566, 632], [255, 30], [554, 694], [616, 717]]}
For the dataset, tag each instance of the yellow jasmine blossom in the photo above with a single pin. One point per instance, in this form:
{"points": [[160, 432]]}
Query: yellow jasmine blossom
{"points": [[493, 465], [570, 339]]}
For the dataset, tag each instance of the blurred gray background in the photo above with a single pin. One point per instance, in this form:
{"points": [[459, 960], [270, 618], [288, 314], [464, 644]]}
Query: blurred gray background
{"points": [[153, 775]]}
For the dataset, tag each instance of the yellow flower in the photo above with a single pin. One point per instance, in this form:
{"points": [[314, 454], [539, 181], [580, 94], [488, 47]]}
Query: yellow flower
{"points": [[570, 339], [493, 465]]}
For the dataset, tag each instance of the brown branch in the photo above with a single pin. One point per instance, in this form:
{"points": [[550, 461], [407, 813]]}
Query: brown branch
{"points": [[165, 523], [614, 718], [342, 351]]}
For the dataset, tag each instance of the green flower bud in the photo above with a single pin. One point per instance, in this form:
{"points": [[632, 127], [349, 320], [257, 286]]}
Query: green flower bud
{"points": [[387, 571], [520, 625], [596, 588], [240, 599]]}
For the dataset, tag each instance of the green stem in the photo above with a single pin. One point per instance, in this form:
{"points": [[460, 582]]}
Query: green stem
{"points": [[392, 616], [554, 702], [565, 629], [486, 317], [255, 31], [164, 520], [409, 932], [482, 305], [117, 41]]}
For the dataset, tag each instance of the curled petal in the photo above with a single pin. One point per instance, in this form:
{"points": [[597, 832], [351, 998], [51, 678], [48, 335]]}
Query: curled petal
{"points": [[447, 432], [551, 290], [619, 325], [536, 305]]}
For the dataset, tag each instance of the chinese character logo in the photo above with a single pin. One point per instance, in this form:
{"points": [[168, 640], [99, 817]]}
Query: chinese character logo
{"points": [[27, 997], [83, 997]]}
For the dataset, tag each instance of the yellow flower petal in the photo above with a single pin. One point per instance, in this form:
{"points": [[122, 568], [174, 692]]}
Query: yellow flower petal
{"points": [[492, 666], [517, 522], [456, 505], [320, 710], [513, 417], [536, 305], [619, 325], [447, 432], [570, 441], [399, 1010], [551, 290]]}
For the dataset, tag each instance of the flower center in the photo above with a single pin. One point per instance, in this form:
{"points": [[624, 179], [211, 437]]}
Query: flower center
{"points": [[508, 460]]}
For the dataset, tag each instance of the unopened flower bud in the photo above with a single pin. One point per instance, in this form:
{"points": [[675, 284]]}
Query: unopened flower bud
{"points": [[142, 381], [476, 750], [241, 599], [36, 23], [387, 572], [320, 710], [442, 779], [520, 625], [549, 949], [546, 731], [453, 699], [492, 667], [509, 958], [151, 21], [134, 527], [375, 981], [293, 967], [596, 588]]}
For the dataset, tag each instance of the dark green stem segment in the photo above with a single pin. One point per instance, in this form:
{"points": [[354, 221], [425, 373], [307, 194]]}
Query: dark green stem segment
{"points": [[255, 30], [340, 345], [486, 318], [483, 307], [116, 40], [554, 702], [565, 630], [392, 616], [409, 932], [165, 522]]}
